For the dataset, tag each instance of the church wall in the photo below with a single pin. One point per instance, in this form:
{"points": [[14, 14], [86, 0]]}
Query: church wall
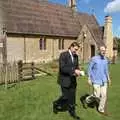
{"points": [[85, 44], [27, 48]]}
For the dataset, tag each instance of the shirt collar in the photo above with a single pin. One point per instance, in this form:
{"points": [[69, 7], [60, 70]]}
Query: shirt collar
{"points": [[101, 57], [70, 52]]}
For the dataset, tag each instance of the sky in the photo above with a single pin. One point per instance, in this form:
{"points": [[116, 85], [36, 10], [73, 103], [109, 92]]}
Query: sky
{"points": [[100, 8]]}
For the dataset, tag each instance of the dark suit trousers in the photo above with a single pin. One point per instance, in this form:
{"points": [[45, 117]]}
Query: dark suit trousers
{"points": [[69, 94]]}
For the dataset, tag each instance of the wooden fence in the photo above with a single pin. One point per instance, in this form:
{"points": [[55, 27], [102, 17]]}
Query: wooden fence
{"points": [[29, 71], [26, 70], [8, 73], [19, 71]]}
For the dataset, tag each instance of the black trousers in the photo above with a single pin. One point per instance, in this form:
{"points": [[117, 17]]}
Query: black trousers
{"points": [[69, 94], [68, 98]]}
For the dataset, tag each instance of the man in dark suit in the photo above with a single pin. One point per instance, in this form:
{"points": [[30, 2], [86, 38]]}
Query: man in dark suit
{"points": [[68, 71]]}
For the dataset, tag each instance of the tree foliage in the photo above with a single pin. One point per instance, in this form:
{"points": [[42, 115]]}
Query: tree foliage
{"points": [[117, 43]]}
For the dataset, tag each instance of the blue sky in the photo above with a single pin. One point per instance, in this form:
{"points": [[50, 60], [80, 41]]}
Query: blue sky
{"points": [[100, 8]]}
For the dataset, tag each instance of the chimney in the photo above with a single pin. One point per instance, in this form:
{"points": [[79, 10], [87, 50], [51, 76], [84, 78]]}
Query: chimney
{"points": [[72, 4], [108, 36]]}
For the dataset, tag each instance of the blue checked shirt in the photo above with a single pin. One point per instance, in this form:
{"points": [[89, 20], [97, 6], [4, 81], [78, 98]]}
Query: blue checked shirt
{"points": [[98, 70]]}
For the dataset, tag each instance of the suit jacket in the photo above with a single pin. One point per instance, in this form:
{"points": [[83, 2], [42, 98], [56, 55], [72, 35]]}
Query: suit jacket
{"points": [[66, 75]]}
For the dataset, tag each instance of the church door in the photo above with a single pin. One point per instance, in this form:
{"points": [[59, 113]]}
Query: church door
{"points": [[92, 50]]}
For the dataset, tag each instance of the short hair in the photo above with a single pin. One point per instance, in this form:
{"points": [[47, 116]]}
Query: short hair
{"points": [[102, 46], [73, 44]]}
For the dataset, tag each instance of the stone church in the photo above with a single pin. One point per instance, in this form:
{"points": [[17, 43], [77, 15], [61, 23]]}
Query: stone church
{"points": [[37, 30]]}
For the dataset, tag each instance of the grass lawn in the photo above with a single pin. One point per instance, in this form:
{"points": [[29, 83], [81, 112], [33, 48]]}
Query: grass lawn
{"points": [[32, 100]]}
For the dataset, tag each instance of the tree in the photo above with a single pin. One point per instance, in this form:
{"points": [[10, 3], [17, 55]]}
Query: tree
{"points": [[117, 43]]}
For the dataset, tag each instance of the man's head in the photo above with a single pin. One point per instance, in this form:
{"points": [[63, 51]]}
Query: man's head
{"points": [[74, 47], [102, 50]]}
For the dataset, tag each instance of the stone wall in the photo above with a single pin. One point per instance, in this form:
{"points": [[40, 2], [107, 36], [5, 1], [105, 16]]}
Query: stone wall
{"points": [[27, 48]]}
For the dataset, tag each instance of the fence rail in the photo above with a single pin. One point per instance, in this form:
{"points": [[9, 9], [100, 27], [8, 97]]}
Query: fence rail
{"points": [[28, 70]]}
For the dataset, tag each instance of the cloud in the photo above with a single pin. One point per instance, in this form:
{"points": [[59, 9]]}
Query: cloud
{"points": [[113, 6]]}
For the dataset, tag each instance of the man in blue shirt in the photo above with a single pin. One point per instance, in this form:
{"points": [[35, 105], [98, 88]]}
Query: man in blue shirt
{"points": [[98, 77]]}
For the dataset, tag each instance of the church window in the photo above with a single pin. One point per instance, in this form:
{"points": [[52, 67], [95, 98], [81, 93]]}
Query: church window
{"points": [[61, 44], [42, 43]]}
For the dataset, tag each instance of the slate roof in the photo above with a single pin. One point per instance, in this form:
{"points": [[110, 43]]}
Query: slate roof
{"points": [[35, 17]]}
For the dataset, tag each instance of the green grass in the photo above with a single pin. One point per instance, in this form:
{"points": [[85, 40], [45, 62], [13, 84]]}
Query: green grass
{"points": [[32, 100]]}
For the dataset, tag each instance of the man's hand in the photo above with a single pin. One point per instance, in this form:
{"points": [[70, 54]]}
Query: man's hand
{"points": [[77, 72], [109, 82], [89, 81]]}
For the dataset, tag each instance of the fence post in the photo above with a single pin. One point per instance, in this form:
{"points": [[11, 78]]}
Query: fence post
{"points": [[33, 70], [4, 55], [5, 73], [20, 70]]}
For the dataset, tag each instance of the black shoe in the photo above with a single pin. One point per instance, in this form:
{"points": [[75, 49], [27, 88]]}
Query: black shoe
{"points": [[75, 116], [82, 99], [73, 113], [55, 110], [60, 106]]}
